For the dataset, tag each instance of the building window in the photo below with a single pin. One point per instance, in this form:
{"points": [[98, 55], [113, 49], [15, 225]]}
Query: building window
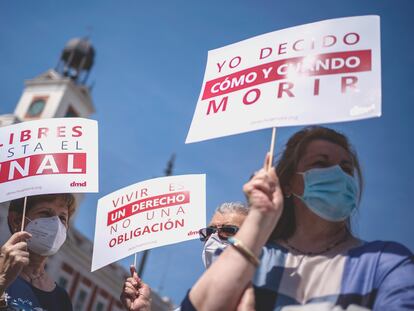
{"points": [[71, 113], [63, 282], [99, 306], [36, 107], [79, 304]]}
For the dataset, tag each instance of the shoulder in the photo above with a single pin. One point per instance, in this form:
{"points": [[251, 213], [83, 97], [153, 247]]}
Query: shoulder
{"points": [[381, 247], [383, 253], [20, 294], [384, 256], [19, 287], [392, 266]]}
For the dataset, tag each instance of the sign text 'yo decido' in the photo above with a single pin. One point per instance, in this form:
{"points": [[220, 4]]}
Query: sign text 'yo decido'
{"points": [[282, 78]]}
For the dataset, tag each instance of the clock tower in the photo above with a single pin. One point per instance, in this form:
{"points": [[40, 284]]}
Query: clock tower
{"points": [[60, 92]]}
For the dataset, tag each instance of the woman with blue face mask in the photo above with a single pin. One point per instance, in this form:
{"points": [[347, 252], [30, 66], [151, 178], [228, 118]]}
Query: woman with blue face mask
{"points": [[296, 244], [24, 283]]}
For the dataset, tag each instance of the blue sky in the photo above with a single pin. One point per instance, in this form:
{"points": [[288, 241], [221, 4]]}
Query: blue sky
{"points": [[148, 72]]}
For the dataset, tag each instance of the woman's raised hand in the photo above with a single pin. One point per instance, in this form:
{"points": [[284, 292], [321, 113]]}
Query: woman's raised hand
{"points": [[263, 191], [13, 257], [136, 295]]}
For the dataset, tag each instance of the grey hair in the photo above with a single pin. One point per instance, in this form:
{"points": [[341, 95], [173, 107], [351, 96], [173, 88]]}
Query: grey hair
{"points": [[232, 207]]}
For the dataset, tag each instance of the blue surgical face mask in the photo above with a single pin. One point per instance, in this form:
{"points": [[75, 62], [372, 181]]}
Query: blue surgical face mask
{"points": [[330, 192]]}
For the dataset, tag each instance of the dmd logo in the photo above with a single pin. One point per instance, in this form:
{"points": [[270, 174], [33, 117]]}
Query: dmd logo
{"points": [[78, 184]]}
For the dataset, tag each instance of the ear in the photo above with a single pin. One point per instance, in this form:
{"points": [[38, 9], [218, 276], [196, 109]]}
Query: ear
{"points": [[15, 220]]}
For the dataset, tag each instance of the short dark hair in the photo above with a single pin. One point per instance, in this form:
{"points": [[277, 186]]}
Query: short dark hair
{"points": [[286, 167]]}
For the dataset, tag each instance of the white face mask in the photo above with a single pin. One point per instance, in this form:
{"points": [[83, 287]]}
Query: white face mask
{"points": [[213, 247], [48, 235]]}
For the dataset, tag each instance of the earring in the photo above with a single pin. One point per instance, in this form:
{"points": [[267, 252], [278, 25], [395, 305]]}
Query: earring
{"points": [[288, 196]]}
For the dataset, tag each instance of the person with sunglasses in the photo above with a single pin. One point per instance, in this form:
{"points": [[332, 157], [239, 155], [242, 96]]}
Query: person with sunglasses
{"points": [[226, 221]]}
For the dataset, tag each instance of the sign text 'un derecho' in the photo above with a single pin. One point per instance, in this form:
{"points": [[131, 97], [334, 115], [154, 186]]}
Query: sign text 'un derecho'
{"points": [[148, 214], [161, 201]]}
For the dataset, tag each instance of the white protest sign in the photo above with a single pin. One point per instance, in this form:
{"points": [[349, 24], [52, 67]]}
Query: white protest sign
{"points": [[329, 71], [48, 156], [148, 214]]}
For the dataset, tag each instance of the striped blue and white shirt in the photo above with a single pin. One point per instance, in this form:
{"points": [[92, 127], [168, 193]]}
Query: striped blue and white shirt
{"points": [[375, 275]]}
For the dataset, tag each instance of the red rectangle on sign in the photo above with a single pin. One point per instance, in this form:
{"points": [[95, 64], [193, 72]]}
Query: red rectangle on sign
{"points": [[147, 204], [42, 164], [312, 65]]}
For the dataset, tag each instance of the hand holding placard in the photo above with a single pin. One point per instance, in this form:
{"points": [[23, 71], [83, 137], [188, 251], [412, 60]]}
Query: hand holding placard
{"points": [[136, 295], [13, 257], [263, 190]]}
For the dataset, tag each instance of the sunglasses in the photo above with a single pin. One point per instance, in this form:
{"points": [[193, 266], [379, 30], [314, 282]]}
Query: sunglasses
{"points": [[223, 232]]}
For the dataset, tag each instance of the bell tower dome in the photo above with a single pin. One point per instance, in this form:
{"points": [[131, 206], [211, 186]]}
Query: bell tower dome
{"points": [[76, 60], [61, 92]]}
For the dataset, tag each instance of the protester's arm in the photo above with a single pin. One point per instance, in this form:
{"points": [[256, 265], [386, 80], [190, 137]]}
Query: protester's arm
{"points": [[136, 295], [13, 257], [222, 285], [247, 301]]}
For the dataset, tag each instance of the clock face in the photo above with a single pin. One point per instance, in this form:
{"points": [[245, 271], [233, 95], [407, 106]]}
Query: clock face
{"points": [[36, 107]]}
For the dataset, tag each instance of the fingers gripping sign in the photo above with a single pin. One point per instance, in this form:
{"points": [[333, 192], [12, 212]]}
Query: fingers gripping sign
{"points": [[13, 257], [263, 190], [136, 295]]}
